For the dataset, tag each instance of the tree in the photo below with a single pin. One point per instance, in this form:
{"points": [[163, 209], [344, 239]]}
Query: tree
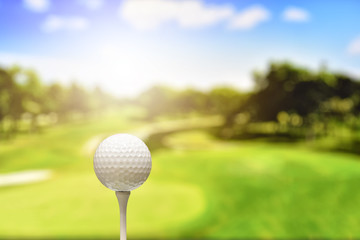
{"points": [[77, 100], [189, 101], [11, 97], [285, 88], [6, 89], [157, 100], [34, 97], [225, 101]]}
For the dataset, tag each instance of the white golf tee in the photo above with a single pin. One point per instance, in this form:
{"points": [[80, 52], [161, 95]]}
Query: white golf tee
{"points": [[122, 197]]}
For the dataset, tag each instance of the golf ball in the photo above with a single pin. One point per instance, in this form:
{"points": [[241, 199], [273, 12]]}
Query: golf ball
{"points": [[122, 162]]}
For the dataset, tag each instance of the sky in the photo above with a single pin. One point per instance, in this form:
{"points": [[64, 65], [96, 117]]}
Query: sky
{"points": [[127, 46]]}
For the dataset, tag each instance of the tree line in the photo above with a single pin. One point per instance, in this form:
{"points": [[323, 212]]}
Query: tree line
{"points": [[300, 103], [282, 89], [27, 104], [287, 100]]}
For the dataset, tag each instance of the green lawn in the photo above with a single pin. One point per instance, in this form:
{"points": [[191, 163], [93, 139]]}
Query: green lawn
{"points": [[199, 187]]}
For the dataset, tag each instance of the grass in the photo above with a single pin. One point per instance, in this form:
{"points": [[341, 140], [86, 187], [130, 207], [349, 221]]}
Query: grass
{"points": [[262, 190], [199, 187]]}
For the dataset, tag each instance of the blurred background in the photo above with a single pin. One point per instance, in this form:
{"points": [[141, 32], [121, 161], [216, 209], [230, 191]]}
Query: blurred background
{"points": [[251, 110]]}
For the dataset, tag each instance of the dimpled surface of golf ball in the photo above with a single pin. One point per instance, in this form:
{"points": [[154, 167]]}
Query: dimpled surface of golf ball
{"points": [[122, 162]]}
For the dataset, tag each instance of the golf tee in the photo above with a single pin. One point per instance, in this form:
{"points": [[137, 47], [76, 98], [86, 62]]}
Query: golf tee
{"points": [[122, 199]]}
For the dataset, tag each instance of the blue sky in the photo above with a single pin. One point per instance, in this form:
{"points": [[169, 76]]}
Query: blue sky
{"points": [[127, 46]]}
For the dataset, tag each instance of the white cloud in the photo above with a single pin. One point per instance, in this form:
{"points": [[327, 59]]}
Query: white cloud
{"points": [[37, 5], [151, 14], [91, 4], [354, 47], [55, 23], [295, 14], [249, 18]]}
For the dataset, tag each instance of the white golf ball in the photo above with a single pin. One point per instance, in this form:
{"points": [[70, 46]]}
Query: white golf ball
{"points": [[122, 162]]}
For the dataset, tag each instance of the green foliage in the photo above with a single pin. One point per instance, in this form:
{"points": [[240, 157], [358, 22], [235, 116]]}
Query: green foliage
{"points": [[157, 101], [225, 101], [291, 89], [287, 100], [77, 99], [165, 101], [11, 97], [293, 102], [56, 96], [25, 100], [189, 101]]}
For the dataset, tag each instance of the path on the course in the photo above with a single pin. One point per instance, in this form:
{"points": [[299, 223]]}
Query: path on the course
{"points": [[33, 176], [157, 128], [24, 177]]}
